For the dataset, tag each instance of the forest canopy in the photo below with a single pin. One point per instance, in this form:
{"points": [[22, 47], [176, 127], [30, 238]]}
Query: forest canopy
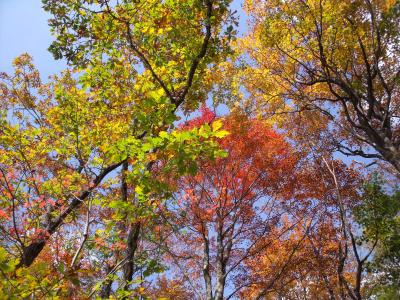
{"points": [[182, 155]]}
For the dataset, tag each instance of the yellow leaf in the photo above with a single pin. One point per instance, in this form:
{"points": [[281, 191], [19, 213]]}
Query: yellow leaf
{"points": [[216, 125]]}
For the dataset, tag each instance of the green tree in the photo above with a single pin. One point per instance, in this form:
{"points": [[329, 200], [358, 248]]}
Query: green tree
{"points": [[378, 214], [86, 157]]}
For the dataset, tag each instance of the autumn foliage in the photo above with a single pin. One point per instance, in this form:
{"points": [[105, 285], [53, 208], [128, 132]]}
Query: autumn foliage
{"points": [[176, 158]]}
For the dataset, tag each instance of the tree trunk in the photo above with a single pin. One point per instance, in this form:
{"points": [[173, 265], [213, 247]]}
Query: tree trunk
{"points": [[206, 267], [105, 291], [132, 243]]}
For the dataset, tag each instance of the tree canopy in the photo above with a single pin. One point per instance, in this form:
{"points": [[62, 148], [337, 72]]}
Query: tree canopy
{"points": [[175, 158]]}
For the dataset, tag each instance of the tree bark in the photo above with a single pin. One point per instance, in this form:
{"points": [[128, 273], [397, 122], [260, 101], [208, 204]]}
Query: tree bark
{"points": [[105, 291], [132, 243], [206, 266]]}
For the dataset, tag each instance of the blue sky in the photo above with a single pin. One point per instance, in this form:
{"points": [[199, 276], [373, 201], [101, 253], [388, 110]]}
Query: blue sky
{"points": [[23, 28]]}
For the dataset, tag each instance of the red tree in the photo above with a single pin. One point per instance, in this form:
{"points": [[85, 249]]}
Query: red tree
{"points": [[229, 205]]}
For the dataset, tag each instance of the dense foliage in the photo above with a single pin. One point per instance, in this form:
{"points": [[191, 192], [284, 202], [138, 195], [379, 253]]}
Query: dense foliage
{"points": [[118, 179]]}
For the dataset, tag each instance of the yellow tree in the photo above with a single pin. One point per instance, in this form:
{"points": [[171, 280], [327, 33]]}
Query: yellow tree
{"points": [[337, 59]]}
